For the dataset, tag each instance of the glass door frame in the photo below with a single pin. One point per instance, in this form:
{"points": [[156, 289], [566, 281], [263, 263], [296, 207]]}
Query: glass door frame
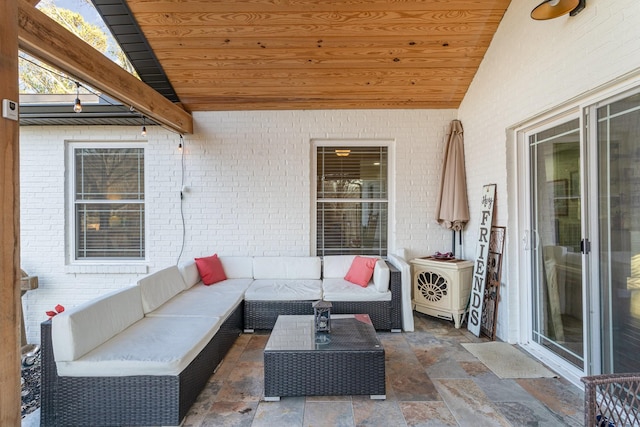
{"points": [[529, 241], [584, 106]]}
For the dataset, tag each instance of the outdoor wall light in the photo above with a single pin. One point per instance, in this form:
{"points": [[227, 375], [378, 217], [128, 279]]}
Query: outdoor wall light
{"points": [[550, 9]]}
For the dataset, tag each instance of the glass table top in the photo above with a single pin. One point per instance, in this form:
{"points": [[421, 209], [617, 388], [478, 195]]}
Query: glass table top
{"points": [[348, 332]]}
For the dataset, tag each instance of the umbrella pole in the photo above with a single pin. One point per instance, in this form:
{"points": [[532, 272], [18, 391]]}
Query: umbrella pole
{"points": [[453, 242]]}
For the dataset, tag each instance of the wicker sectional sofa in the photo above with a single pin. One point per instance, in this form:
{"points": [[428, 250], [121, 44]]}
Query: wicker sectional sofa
{"points": [[261, 309], [142, 354]]}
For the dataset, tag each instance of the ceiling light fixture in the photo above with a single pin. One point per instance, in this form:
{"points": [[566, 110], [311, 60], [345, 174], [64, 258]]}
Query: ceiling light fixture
{"points": [[343, 153], [77, 106], [550, 9]]}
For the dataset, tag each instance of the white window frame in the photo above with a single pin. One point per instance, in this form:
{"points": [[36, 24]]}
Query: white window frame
{"points": [[80, 265], [346, 143]]}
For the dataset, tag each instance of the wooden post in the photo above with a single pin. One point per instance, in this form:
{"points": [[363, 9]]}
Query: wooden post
{"points": [[9, 227]]}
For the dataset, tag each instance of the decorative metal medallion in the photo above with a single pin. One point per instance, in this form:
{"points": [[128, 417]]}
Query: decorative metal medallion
{"points": [[432, 286]]}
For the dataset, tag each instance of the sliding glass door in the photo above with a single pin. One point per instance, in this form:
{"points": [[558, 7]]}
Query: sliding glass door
{"points": [[583, 254], [556, 258], [618, 145]]}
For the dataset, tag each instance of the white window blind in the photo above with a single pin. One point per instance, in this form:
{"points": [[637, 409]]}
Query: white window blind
{"points": [[109, 203], [352, 200]]}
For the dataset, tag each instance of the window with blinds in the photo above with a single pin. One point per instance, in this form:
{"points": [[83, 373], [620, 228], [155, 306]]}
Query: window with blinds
{"points": [[109, 203], [352, 200]]}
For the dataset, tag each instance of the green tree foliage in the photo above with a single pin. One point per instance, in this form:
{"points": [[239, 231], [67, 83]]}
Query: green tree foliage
{"points": [[34, 78]]}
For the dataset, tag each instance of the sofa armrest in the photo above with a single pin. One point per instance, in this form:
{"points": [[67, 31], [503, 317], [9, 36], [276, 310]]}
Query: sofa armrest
{"points": [[400, 286], [395, 287]]}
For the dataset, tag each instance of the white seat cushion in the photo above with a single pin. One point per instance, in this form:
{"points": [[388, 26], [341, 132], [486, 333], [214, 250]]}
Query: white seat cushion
{"points": [[79, 330], [229, 286], [160, 287], [151, 346], [341, 290], [287, 267], [284, 290], [200, 304]]}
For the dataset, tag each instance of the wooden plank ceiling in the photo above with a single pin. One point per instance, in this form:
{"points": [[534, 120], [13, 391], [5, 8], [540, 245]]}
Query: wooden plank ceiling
{"points": [[319, 54]]}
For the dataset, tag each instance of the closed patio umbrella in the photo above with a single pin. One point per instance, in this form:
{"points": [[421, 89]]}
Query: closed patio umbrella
{"points": [[453, 207]]}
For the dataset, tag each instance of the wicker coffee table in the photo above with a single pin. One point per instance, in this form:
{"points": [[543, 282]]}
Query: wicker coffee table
{"points": [[348, 361]]}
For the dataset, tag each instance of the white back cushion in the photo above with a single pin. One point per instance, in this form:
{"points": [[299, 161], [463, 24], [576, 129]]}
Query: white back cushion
{"points": [[337, 266], [381, 276], [189, 272], [79, 330], [287, 268], [160, 287], [237, 267]]}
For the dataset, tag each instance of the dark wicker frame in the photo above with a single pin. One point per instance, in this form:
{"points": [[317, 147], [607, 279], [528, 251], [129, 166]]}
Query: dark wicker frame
{"points": [[346, 369], [613, 396], [131, 400], [330, 373], [385, 315]]}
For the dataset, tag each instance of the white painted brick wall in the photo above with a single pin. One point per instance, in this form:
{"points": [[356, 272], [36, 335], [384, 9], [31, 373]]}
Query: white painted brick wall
{"points": [[249, 172], [531, 67], [250, 183]]}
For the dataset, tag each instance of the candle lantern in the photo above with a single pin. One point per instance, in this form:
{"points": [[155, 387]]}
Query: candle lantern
{"points": [[322, 316]]}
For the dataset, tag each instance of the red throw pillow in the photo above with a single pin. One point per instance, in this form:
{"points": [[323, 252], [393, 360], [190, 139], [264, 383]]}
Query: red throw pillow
{"points": [[210, 269], [361, 271]]}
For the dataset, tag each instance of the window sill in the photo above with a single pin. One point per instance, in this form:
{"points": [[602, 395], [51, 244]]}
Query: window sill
{"points": [[107, 269]]}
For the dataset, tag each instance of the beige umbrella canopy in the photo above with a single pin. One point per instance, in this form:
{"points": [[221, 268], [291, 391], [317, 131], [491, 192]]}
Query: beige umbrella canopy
{"points": [[453, 207]]}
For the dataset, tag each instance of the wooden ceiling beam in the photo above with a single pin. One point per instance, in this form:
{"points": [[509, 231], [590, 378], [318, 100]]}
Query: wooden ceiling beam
{"points": [[45, 39]]}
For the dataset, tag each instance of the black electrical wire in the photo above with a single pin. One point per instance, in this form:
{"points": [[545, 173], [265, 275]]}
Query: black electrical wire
{"points": [[181, 147]]}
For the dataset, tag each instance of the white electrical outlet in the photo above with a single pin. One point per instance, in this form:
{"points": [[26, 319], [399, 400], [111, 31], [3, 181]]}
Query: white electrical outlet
{"points": [[9, 109]]}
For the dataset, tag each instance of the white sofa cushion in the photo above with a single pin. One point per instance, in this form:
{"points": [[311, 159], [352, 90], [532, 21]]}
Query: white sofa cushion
{"points": [[287, 267], [337, 267], [229, 286], [79, 330], [234, 268], [159, 287], [284, 290], [200, 304], [381, 276], [340, 290], [151, 346], [237, 267], [189, 272]]}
